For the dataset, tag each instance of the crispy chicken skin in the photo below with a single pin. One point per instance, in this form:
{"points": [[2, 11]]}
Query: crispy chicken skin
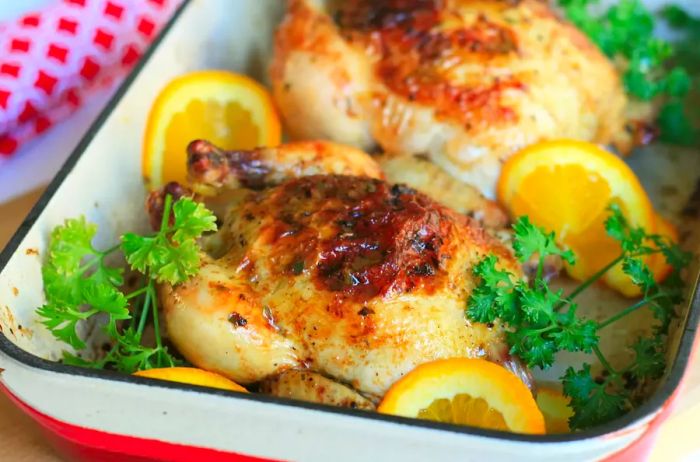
{"points": [[327, 269], [420, 173], [314, 387], [464, 82]]}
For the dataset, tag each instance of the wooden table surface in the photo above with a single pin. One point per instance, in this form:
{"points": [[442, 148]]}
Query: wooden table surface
{"points": [[20, 439]]}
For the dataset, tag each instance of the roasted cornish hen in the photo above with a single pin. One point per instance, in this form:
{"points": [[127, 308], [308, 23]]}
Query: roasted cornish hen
{"points": [[464, 82], [320, 265]]}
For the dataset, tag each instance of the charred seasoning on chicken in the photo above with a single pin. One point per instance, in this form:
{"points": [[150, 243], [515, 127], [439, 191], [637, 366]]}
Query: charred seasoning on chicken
{"points": [[416, 54], [357, 237]]}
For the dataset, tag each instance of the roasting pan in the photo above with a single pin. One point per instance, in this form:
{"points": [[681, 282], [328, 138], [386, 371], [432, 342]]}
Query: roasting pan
{"points": [[100, 415]]}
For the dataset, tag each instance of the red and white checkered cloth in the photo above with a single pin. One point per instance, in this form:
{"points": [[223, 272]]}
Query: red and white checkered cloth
{"points": [[52, 60]]}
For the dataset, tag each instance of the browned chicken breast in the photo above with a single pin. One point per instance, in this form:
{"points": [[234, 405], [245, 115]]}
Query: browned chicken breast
{"points": [[322, 266], [464, 82]]}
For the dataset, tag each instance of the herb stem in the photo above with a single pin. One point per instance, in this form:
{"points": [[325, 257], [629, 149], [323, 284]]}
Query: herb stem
{"points": [[144, 312], [100, 259], [89, 265], [166, 211], [136, 293], [154, 306], [626, 311], [543, 330], [540, 268], [111, 250], [604, 362], [587, 283], [108, 357]]}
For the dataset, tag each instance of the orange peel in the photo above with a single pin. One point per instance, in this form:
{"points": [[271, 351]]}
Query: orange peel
{"points": [[192, 376]]}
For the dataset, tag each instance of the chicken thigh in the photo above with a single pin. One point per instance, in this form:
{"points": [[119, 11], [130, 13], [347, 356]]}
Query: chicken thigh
{"points": [[464, 82], [322, 266]]}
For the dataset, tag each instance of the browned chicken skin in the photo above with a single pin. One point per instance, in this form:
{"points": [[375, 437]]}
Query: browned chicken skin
{"points": [[463, 82], [323, 266]]}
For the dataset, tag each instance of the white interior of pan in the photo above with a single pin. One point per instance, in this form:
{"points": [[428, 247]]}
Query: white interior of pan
{"points": [[106, 185]]}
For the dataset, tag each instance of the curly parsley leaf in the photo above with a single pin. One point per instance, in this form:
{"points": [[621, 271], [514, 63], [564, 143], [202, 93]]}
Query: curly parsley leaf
{"points": [[192, 220], [532, 240], [61, 289], [649, 359], [75, 276], [639, 272], [129, 355], [70, 244], [493, 297], [592, 401], [481, 303], [679, 119], [675, 125], [579, 385], [575, 334], [634, 240], [172, 254], [626, 30], [625, 33], [535, 350], [538, 304], [62, 321]]}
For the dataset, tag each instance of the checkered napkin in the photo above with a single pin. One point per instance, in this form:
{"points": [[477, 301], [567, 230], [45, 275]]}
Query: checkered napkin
{"points": [[53, 60]]}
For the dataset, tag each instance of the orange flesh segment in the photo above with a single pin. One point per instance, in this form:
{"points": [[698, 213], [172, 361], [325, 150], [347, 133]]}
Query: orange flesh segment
{"points": [[463, 409], [592, 198], [556, 410]]}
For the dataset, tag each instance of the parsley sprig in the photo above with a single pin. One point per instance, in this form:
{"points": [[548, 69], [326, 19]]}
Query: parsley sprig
{"points": [[79, 284], [680, 120], [626, 30], [542, 322], [625, 33]]}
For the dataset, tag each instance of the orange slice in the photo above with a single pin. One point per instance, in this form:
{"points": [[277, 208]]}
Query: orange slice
{"points": [[566, 186], [193, 376], [228, 109], [465, 391], [555, 409]]}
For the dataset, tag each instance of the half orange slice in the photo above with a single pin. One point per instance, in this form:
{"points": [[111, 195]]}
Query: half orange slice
{"points": [[465, 391], [230, 110], [566, 186]]}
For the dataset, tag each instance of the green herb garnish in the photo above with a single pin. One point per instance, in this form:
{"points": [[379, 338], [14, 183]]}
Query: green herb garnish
{"points": [[541, 322], [79, 284], [625, 32], [679, 119]]}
